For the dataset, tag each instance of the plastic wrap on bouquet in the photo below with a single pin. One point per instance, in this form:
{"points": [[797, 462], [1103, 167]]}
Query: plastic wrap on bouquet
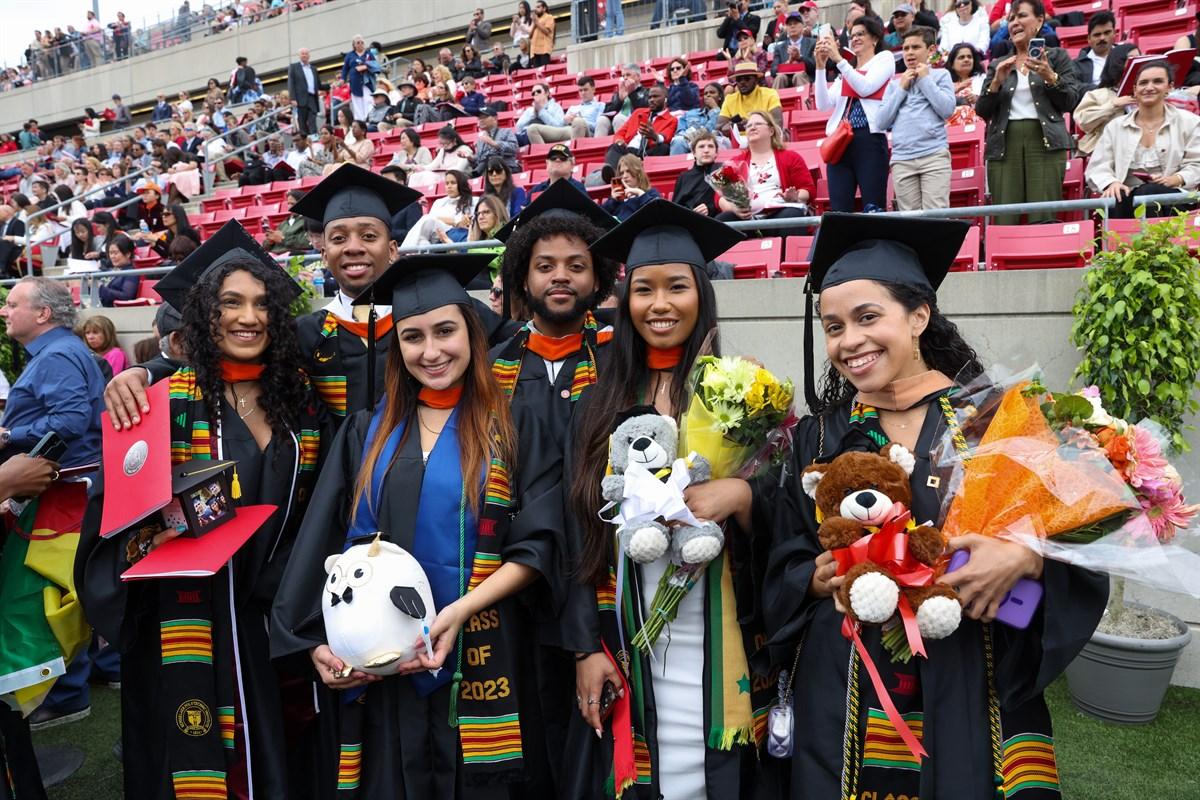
{"points": [[1058, 473]]}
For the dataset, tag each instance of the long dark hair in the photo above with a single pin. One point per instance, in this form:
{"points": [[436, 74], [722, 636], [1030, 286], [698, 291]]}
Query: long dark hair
{"points": [[485, 427], [465, 194], [942, 348], [79, 247], [282, 382], [109, 222], [1114, 66], [976, 60], [506, 189], [621, 380], [182, 226]]}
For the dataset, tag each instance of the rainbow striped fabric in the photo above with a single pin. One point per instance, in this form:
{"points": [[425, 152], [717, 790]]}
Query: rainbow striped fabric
{"points": [[498, 489], [310, 449], [186, 641], [349, 767], [225, 722], [332, 389], [883, 747], [487, 740], [1029, 763], [482, 568], [199, 784]]}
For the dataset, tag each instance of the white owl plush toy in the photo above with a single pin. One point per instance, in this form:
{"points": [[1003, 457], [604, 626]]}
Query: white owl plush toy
{"points": [[376, 602]]}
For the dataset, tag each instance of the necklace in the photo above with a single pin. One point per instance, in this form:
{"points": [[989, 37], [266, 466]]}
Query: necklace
{"points": [[421, 420], [241, 403]]}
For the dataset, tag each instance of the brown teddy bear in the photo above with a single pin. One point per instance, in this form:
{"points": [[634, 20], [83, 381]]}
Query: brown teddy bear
{"points": [[857, 491]]}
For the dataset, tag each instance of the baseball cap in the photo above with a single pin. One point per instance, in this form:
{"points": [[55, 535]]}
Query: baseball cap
{"points": [[560, 152]]}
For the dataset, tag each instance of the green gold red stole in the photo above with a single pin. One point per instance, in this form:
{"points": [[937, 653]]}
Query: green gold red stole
{"points": [[507, 366]]}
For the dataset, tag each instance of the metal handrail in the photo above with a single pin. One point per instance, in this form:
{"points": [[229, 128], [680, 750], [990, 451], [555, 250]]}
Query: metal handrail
{"points": [[210, 172]]}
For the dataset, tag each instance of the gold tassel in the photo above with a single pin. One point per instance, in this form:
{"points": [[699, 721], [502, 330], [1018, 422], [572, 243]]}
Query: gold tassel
{"points": [[235, 487]]}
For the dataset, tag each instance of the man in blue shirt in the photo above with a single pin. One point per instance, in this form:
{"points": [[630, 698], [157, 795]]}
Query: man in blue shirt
{"points": [[60, 390], [560, 163]]}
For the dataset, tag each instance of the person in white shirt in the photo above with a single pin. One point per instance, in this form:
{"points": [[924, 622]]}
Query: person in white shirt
{"points": [[967, 22], [583, 116]]}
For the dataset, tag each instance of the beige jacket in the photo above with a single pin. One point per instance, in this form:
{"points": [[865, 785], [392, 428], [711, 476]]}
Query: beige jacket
{"points": [[1178, 142], [1093, 113]]}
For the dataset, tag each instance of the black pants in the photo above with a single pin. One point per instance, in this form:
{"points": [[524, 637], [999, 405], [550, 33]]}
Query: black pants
{"points": [[19, 774], [779, 213], [307, 118], [1124, 207], [863, 166], [615, 151], [539, 60]]}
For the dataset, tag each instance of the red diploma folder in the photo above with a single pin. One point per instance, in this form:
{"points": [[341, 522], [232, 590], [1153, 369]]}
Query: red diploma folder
{"points": [[187, 557], [1180, 61], [137, 464]]}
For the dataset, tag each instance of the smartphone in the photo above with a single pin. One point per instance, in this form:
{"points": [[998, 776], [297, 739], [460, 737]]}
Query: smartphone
{"points": [[51, 447], [1037, 47], [618, 187], [608, 699]]}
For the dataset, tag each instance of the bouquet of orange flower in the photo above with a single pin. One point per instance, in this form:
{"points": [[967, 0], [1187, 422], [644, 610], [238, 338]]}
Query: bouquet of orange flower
{"points": [[1058, 473]]}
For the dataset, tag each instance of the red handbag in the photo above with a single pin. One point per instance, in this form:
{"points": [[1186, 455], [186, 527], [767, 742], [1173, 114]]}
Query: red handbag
{"points": [[833, 147]]}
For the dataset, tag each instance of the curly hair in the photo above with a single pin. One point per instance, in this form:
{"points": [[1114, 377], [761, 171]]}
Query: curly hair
{"points": [[942, 348], [519, 249], [282, 382]]}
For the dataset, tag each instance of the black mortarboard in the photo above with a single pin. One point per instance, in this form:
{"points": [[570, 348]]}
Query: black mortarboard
{"points": [[228, 245], [902, 250], [167, 319], [662, 232], [351, 191], [561, 197], [417, 284]]}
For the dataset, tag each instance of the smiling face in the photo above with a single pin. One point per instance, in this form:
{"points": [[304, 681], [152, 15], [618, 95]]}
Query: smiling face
{"points": [[862, 43], [117, 257], [436, 347], [485, 218], [242, 327], [1152, 86], [869, 334], [357, 250], [664, 303], [561, 284]]}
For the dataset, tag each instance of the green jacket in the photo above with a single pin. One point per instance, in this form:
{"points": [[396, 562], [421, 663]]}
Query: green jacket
{"points": [[1051, 103]]}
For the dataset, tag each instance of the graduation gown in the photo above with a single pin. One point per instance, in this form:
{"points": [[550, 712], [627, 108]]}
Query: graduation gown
{"points": [[273, 705], [408, 748], [944, 697], [336, 362], [734, 774]]}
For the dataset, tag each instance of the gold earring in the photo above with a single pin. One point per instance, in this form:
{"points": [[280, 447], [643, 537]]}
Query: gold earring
{"points": [[916, 348]]}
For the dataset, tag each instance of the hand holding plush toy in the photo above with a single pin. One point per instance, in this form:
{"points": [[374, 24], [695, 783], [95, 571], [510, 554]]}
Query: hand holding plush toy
{"points": [[856, 494]]}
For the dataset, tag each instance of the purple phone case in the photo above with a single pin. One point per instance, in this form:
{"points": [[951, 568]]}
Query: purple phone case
{"points": [[1019, 604]]}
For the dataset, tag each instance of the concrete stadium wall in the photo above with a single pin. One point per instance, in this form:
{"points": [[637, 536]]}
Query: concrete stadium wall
{"points": [[1011, 318], [270, 45]]}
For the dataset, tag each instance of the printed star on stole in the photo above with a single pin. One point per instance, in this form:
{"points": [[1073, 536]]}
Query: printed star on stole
{"points": [[743, 684]]}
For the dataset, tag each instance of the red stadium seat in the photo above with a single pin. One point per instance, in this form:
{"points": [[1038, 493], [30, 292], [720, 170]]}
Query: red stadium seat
{"points": [[250, 198], [310, 181], [210, 204], [1085, 7], [807, 126], [1053, 246], [1119, 232], [1154, 29], [755, 258], [967, 259], [795, 256], [589, 149], [272, 197], [966, 145], [967, 187], [1072, 37], [146, 296]]}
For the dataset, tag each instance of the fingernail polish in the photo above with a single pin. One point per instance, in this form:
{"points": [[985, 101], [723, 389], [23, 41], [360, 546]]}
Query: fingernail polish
{"points": [[599, 733]]}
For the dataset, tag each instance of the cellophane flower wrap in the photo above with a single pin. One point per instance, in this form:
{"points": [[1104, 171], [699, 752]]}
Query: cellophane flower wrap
{"points": [[1058, 473], [730, 184], [741, 418]]}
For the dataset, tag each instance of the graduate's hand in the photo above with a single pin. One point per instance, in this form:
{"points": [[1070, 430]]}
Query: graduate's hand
{"points": [[330, 667], [718, 500], [821, 584], [443, 633], [995, 567], [591, 674], [125, 398], [834, 585]]}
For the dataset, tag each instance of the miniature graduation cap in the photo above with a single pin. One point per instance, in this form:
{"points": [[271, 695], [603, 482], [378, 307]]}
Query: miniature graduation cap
{"points": [[559, 199], [850, 247], [662, 232], [200, 496], [416, 284], [351, 191], [231, 244]]}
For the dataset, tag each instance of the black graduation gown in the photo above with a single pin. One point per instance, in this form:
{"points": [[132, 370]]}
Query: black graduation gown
{"points": [[409, 749], [125, 615], [735, 774], [952, 680]]}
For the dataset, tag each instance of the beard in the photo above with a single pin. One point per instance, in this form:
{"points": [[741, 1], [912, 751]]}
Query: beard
{"points": [[539, 306]]}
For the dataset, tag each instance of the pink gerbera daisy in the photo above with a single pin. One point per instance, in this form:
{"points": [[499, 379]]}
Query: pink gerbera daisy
{"points": [[1167, 514], [1146, 461]]}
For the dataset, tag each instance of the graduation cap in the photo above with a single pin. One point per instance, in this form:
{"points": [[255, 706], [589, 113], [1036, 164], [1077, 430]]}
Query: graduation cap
{"points": [[561, 198], [231, 244], [662, 232], [902, 250], [416, 284], [351, 191]]}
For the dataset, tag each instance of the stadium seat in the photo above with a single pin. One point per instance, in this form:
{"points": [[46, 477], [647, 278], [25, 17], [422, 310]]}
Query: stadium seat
{"points": [[588, 149], [967, 259], [755, 258], [1072, 37], [1153, 29], [1052, 246], [273, 197], [1085, 7], [967, 187], [795, 256], [249, 198], [966, 145], [1119, 232], [210, 204], [146, 296], [806, 126]]}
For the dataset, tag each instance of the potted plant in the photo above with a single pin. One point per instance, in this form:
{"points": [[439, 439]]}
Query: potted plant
{"points": [[1137, 325]]}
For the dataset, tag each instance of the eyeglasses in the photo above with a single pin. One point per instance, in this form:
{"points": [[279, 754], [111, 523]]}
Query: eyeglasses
{"points": [[745, 78], [676, 68], [858, 35], [538, 91], [495, 291]]}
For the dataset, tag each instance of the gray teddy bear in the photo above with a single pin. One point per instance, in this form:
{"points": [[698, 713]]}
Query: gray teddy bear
{"points": [[651, 440]]}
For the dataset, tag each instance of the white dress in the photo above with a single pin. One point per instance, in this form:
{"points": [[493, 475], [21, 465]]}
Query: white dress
{"points": [[677, 671]]}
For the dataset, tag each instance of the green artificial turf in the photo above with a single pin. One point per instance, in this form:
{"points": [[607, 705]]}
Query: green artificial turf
{"points": [[1096, 761]]}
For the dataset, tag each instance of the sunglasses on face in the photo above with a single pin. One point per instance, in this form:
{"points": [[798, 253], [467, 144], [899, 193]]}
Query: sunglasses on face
{"points": [[496, 292], [495, 171], [538, 91], [676, 68]]}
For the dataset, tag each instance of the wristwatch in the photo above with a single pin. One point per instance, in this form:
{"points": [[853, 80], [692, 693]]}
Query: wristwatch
{"points": [[5, 438]]}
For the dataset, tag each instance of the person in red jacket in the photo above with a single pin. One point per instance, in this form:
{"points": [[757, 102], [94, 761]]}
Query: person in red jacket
{"points": [[778, 180], [647, 132]]}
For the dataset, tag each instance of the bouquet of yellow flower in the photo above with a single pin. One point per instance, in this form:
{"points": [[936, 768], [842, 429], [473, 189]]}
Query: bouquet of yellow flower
{"points": [[740, 417]]}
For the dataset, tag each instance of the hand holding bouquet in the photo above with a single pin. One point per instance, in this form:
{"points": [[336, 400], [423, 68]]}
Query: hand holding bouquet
{"points": [[730, 184]]}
